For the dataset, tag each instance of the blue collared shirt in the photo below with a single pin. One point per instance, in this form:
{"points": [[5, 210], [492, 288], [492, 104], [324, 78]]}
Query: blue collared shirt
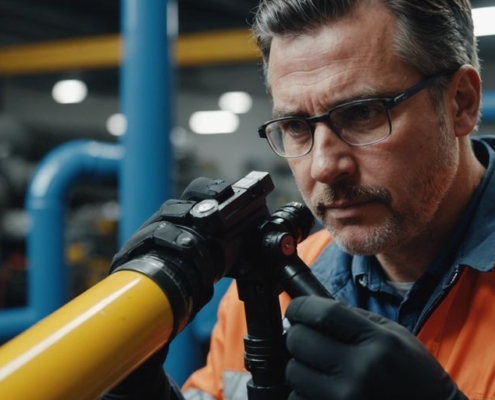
{"points": [[360, 281]]}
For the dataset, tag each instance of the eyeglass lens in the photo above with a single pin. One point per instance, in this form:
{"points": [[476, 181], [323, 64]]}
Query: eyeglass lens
{"points": [[359, 123]]}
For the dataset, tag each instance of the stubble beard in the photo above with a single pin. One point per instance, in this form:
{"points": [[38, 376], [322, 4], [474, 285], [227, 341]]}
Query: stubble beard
{"points": [[388, 233], [399, 226]]}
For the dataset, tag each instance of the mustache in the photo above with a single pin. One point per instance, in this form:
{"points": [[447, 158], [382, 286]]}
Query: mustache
{"points": [[347, 191]]}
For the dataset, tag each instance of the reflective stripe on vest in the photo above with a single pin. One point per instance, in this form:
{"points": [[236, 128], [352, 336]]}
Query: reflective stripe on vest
{"points": [[195, 394], [234, 388], [235, 385]]}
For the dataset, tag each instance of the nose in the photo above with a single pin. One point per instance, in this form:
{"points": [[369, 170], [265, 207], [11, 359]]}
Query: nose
{"points": [[332, 158]]}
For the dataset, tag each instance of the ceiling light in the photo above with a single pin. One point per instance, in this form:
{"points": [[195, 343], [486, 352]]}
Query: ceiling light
{"points": [[236, 102], [483, 21], [212, 122], [116, 124], [69, 91]]}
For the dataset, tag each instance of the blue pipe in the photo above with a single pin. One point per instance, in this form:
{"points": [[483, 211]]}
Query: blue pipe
{"points": [[146, 173], [488, 106], [47, 281], [145, 96]]}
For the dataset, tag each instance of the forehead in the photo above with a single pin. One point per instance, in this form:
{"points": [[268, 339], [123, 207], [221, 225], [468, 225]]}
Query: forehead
{"points": [[350, 57]]}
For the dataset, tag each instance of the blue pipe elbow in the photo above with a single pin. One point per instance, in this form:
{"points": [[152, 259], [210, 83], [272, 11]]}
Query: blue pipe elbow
{"points": [[47, 287]]}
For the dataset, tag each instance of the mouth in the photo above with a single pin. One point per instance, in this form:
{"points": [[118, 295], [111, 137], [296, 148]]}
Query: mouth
{"points": [[342, 205], [351, 204], [346, 209]]}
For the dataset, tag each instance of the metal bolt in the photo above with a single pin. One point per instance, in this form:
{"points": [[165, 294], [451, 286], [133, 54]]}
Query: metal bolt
{"points": [[185, 241]]}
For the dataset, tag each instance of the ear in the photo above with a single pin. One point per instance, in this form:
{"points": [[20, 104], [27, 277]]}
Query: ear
{"points": [[465, 95]]}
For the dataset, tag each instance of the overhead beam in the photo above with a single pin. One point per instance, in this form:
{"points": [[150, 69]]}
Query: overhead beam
{"points": [[63, 55], [97, 52], [236, 45]]}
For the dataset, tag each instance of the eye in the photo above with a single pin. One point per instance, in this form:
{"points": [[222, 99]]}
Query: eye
{"points": [[363, 112], [361, 116], [294, 127]]}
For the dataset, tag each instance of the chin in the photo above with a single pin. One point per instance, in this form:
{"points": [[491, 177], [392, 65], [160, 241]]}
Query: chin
{"points": [[364, 242], [357, 249]]}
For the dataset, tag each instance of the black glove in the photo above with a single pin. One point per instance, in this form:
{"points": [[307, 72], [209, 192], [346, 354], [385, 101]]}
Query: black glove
{"points": [[188, 286], [346, 353], [147, 382]]}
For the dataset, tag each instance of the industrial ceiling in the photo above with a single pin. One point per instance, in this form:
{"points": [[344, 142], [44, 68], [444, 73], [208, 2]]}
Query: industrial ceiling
{"points": [[46, 22], [27, 21], [44, 40]]}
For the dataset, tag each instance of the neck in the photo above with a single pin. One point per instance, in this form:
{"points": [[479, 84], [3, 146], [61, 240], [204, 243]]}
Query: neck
{"points": [[408, 261]]}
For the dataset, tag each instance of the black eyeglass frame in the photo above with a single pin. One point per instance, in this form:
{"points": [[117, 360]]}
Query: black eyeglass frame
{"points": [[388, 102]]}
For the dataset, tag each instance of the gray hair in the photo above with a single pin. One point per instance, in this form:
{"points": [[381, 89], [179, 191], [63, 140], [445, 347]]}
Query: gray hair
{"points": [[431, 35]]}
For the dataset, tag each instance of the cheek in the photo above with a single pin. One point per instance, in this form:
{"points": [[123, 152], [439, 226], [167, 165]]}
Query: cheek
{"points": [[301, 170], [386, 166], [408, 166], [412, 145]]}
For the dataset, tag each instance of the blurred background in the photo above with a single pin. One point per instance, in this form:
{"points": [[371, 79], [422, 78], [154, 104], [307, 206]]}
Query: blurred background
{"points": [[60, 81]]}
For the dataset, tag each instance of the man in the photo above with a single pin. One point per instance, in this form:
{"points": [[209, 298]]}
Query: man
{"points": [[374, 102]]}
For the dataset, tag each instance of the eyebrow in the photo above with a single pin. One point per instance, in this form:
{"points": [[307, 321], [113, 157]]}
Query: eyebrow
{"points": [[286, 112]]}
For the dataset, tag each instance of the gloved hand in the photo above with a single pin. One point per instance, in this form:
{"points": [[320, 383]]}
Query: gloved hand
{"points": [[147, 382], [345, 353], [191, 287]]}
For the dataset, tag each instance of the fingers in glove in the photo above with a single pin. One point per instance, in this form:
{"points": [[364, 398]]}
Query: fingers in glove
{"points": [[342, 352], [312, 384], [296, 396], [345, 323], [317, 350]]}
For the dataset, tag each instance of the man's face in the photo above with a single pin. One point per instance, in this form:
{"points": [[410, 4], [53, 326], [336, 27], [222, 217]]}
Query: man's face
{"points": [[371, 198]]}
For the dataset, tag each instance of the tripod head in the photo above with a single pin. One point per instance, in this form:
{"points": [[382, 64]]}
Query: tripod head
{"points": [[214, 230], [160, 279]]}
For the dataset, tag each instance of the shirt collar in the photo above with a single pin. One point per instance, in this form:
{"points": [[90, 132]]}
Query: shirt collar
{"points": [[366, 273], [477, 249]]}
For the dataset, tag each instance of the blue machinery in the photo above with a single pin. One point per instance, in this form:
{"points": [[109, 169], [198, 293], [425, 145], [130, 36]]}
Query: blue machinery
{"points": [[143, 163], [488, 104], [144, 177]]}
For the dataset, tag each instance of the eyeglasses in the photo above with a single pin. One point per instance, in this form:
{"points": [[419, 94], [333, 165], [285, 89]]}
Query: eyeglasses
{"points": [[358, 122]]}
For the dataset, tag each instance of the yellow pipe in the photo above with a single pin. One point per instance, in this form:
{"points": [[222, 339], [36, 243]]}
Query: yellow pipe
{"points": [[88, 345], [235, 45]]}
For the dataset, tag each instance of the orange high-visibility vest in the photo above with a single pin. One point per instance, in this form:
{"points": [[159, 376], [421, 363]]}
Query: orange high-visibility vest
{"points": [[460, 333]]}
